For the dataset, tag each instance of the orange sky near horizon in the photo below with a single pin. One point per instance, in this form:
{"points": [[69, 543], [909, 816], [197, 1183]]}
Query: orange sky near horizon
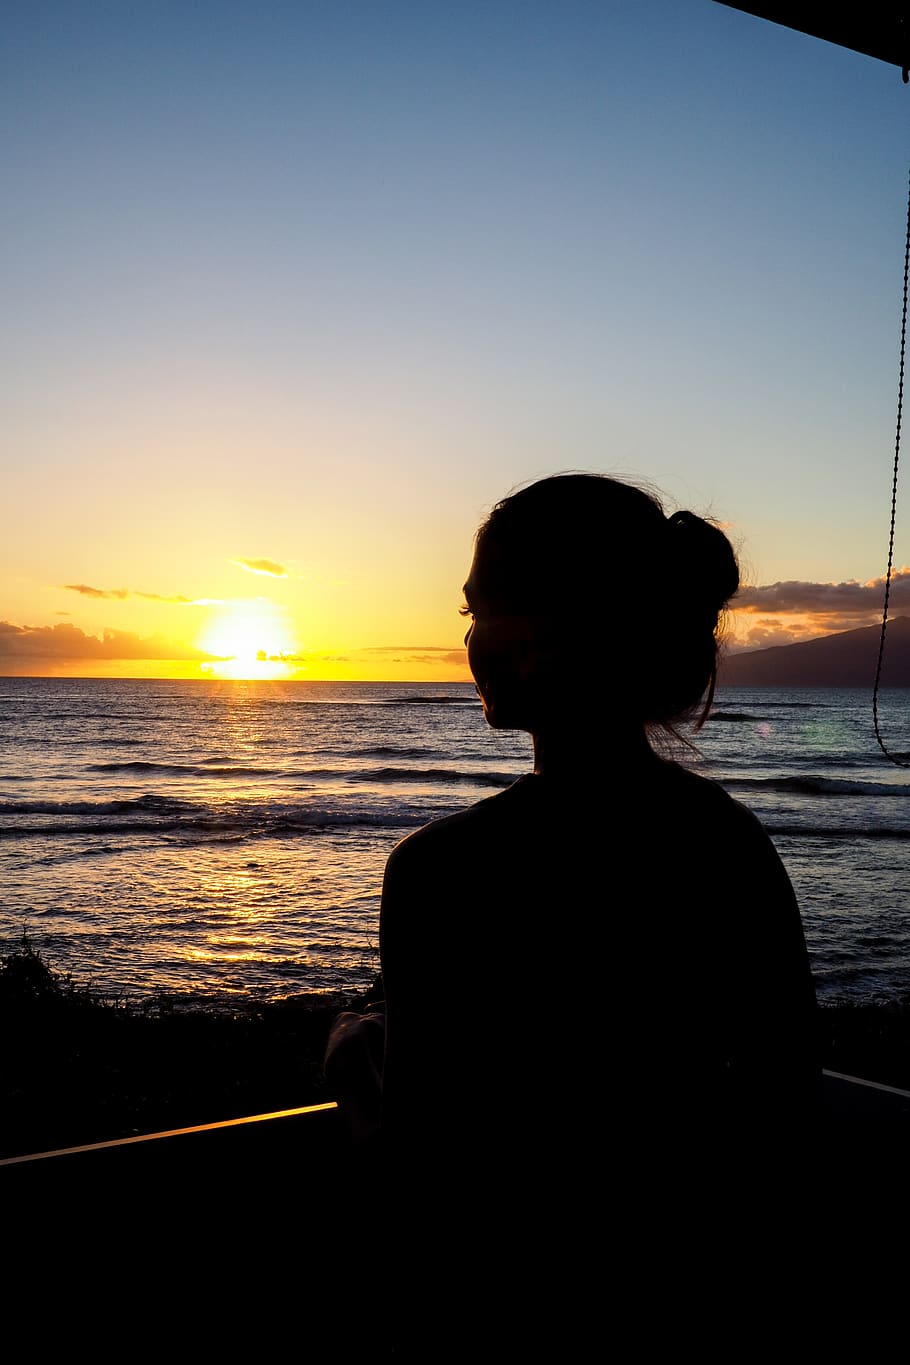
{"points": [[257, 639], [399, 669]]}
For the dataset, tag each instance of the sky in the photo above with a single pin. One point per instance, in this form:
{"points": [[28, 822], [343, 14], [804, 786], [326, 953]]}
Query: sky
{"points": [[293, 293]]}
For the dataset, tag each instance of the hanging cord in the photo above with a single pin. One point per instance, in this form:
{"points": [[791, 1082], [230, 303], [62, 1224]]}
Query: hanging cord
{"points": [[901, 762]]}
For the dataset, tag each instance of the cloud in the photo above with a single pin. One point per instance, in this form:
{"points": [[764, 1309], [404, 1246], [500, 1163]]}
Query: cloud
{"points": [[178, 598], [264, 566], [67, 642], [791, 612], [841, 600], [418, 654], [122, 593], [86, 591], [435, 650], [435, 656], [431, 655], [765, 634]]}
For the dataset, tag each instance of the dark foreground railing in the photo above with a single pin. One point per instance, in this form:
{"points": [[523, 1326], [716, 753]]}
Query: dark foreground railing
{"points": [[264, 1231], [243, 1170], [313, 1137], [256, 1201], [313, 1124], [849, 1098]]}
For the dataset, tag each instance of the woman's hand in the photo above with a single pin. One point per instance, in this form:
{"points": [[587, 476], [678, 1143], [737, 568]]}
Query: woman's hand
{"points": [[353, 1070]]}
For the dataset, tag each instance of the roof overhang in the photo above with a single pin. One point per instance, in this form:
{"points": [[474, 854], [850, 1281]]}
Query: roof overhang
{"points": [[876, 30]]}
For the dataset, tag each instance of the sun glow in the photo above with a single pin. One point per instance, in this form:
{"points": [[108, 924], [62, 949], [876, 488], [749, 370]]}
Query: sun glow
{"points": [[253, 641]]}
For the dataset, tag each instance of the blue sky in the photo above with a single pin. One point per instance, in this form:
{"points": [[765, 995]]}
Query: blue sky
{"points": [[317, 283]]}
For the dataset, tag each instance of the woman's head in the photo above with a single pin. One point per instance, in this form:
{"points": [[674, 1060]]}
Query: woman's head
{"points": [[585, 595]]}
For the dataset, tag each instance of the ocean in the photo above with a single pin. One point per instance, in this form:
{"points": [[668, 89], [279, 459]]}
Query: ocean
{"points": [[222, 844]]}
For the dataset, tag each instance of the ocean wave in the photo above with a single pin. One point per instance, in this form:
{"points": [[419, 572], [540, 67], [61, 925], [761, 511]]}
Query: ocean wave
{"points": [[391, 777], [189, 822], [372, 752], [813, 785], [115, 742], [209, 767], [105, 827], [367, 703], [794, 705], [448, 776], [430, 701], [148, 802], [834, 833], [367, 774]]}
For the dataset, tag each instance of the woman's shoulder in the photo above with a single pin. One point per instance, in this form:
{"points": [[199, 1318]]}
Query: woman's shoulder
{"points": [[698, 786], [701, 797], [687, 808], [472, 822]]}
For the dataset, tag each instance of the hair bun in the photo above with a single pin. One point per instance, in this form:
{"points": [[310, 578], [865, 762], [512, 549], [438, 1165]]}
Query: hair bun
{"points": [[708, 561]]}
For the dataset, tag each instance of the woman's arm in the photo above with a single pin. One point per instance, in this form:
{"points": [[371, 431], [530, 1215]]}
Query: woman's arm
{"points": [[779, 1073]]}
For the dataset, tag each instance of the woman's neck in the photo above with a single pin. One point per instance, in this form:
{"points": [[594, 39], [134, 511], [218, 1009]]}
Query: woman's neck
{"points": [[575, 754]]}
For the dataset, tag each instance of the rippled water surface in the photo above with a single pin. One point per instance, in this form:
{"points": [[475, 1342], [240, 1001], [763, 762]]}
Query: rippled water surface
{"points": [[225, 841]]}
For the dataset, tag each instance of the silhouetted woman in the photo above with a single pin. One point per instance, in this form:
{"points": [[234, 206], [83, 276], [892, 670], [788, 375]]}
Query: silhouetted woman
{"points": [[599, 1009]]}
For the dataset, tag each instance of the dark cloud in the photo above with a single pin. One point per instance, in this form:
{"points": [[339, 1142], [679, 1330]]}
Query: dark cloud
{"points": [[122, 593], [434, 650], [86, 591], [264, 566], [67, 642], [845, 601], [418, 654], [439, 656]]}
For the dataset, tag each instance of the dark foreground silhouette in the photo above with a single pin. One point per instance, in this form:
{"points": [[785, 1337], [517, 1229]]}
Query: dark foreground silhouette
{"points": [[269, 1235]]}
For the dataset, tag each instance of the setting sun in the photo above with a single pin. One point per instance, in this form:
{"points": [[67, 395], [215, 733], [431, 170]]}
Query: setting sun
{"points": [[252, 641]]}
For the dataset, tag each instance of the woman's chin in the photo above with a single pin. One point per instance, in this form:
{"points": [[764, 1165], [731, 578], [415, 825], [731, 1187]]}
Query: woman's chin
{"points": [[499, 715], [492, 714]]}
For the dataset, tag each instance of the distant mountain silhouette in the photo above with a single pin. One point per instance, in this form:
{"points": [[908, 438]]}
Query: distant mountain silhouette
{"points": [[845, 660]]}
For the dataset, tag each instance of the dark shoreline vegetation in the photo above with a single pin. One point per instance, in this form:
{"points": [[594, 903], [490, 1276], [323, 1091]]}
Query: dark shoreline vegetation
{"points": [[78, 1068]]}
